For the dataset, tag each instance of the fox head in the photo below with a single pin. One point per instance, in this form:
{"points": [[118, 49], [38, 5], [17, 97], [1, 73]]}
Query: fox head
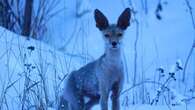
{"points": [[112, 33]]}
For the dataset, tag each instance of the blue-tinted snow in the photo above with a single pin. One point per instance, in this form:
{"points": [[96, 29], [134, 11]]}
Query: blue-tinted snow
{"points": [[161, 43]]}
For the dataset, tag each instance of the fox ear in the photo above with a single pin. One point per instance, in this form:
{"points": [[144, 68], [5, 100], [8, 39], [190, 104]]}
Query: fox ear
{"points": [[123, 20], [101, 20]]}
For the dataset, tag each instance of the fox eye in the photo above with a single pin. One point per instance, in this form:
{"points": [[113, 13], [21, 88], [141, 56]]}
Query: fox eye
{"points": [[107, 35], [119, 34]]}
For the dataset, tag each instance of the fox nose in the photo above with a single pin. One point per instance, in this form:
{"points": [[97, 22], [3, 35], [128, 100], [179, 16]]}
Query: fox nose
{"points": [[114, 44]]}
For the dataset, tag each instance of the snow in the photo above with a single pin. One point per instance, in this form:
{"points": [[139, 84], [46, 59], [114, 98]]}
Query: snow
{"points": [[72, 41], [18, 52], [21, 57], [158, 107]]}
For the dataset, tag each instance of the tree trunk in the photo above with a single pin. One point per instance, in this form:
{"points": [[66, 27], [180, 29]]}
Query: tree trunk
{"points": [[27, 18], [4, 14]]}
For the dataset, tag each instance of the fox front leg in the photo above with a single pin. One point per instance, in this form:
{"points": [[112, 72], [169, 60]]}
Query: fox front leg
{"points": [[93, 101], [104, 98], [115, 96]]}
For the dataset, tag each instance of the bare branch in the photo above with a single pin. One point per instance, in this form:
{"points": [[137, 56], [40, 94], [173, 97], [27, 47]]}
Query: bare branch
{"points": [[193, 45]]}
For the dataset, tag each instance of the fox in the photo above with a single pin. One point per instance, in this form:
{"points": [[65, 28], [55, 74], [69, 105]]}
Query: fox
{"points": [[103, 77]]}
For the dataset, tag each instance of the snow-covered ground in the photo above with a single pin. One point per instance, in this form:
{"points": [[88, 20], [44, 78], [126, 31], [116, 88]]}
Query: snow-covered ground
{"points": [[32, 64], [32, 72], [41, 68]]}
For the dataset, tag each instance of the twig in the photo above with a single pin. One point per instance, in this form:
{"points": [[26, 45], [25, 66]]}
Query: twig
{"points": [[193, 45], [31, 86], [167, 103], [135, 51], [139, 84]]}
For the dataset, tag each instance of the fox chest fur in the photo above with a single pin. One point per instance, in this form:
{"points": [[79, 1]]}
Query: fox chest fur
{"points": [[110, 70]]}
